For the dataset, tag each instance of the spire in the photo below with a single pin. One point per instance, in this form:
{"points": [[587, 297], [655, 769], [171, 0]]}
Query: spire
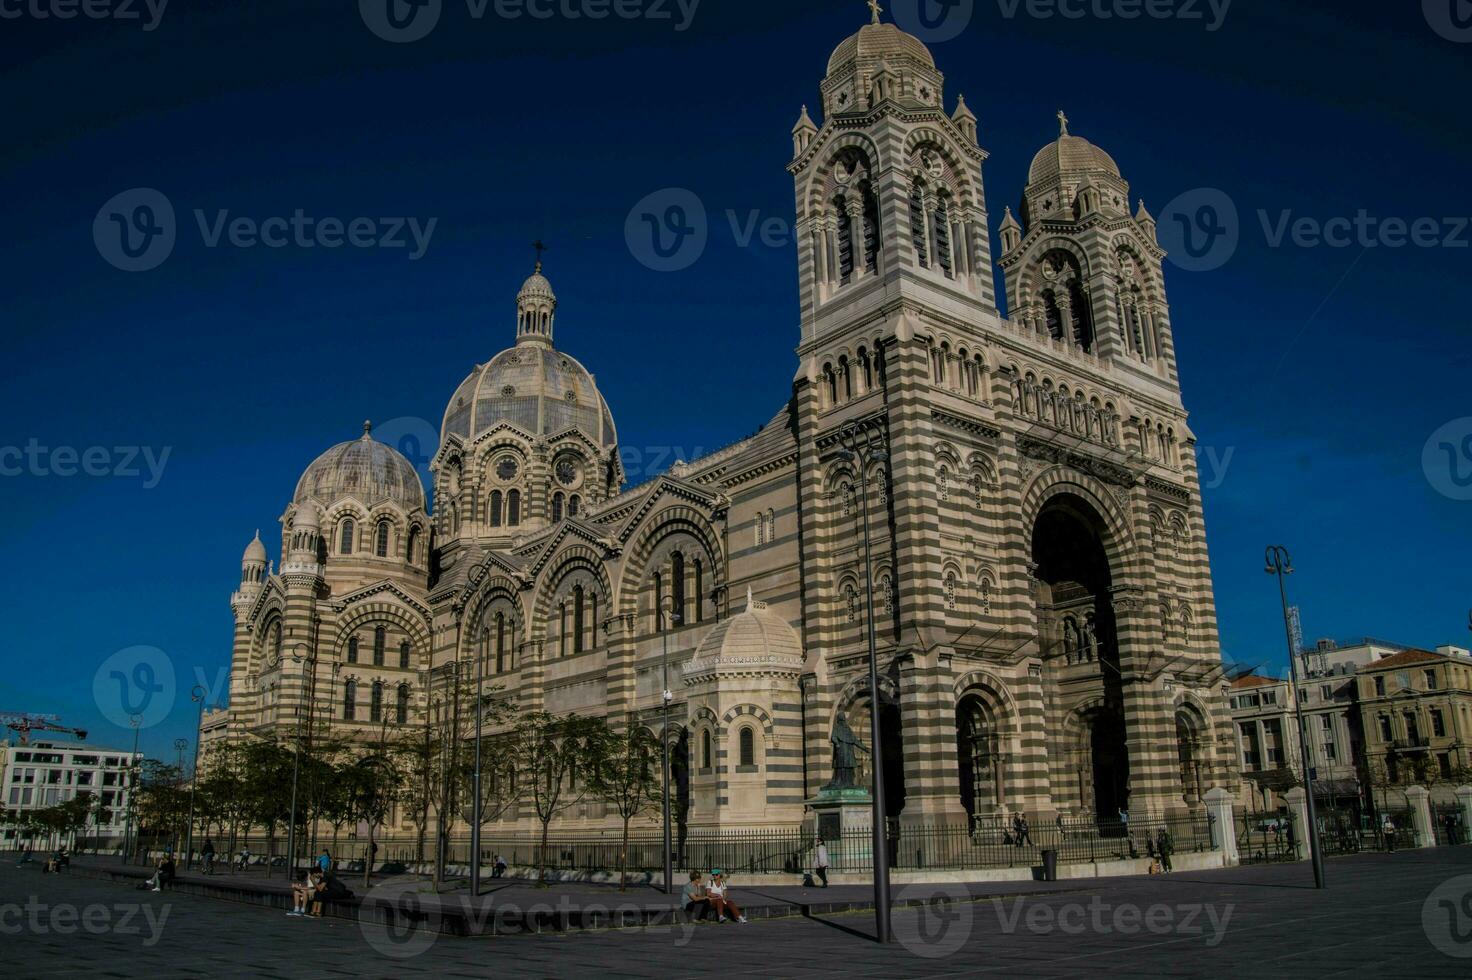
{"points": [[368, 430], [876, 10], [1007, 220], [1062, 124], [535, 306]]}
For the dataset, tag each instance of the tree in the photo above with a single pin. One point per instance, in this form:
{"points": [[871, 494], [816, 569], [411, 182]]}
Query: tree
{"points": [[373, 780], [156, 800], [267, 787], [555, 761], [630, 780]]}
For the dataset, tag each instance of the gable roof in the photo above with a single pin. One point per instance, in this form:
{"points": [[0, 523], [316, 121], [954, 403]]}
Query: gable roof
{"points": [[1405, 658]]}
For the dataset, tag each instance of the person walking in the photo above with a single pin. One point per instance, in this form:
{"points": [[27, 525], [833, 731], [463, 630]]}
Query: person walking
{"points": [[1388, 829], [1020, 832], [1163, 848], [820, 862], [498, 870], [207, 856]]}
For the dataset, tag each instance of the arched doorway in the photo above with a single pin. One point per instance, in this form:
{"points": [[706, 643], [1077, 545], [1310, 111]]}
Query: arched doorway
{"points": [[891, 749], [978, 756], [1079, 642], [1189, 730]]}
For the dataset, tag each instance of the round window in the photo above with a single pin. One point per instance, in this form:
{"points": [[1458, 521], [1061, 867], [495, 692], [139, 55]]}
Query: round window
{"points": [[507, 467]]}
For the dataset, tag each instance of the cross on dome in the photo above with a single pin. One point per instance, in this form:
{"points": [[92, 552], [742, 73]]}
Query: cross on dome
{"points": [[875, 9], [540, 249], [1062, 124]]}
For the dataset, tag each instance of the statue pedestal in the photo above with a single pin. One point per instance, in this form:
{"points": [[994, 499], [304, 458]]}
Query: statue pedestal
{"points": [[844, 819]]}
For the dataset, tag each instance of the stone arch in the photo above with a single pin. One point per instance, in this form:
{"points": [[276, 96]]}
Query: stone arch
{"points": [[815, 195], [1117, 536], [373, 613], [575, 556], [495, 588], [645, 548], [763, 720]]}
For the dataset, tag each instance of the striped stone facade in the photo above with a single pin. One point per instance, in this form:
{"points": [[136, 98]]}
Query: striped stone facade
{"points": [[1043, 607]]}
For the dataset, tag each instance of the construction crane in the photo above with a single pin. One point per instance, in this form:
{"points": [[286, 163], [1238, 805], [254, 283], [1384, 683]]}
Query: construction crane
{"points": [[24, 724]]}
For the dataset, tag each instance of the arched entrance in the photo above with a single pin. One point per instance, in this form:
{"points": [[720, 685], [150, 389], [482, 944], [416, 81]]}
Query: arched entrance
{"points": [[891, 749], [978, 753], [1080, 646], [1190, 728]]}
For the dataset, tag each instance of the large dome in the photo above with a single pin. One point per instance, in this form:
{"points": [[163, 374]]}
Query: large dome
{"points": [[1070, 155], [878, 42], [536, 388], [364, 468]]}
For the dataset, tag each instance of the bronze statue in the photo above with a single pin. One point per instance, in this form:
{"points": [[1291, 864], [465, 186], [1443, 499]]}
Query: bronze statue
{"points": [[846, 745]]}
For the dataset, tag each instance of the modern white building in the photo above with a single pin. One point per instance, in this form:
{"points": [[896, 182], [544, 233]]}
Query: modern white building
{"points": [[51, 771]]}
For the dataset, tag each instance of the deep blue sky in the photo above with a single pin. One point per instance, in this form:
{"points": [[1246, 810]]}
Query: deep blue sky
{"points": [[1322, 371]]}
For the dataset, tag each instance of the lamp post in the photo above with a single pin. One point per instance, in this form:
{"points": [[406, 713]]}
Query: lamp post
{"points": [[863, 445], [475, 811], [666, 620], [197, 694], [136, 721], [180, 744], [300, 654], [1279, 563]]}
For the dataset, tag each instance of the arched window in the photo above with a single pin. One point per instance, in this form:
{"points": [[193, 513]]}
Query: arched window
{"points": [[851, 598], [706, 760], [562, 635], [886, 586], [593, 620], [699, 591], [986, 595], [411, 552], [577, 619], [943, 483], [1052, 317], [345, 539], [350, 701], [401, 706], [404, 655], [380, 540], [500, 643], [659, 623], [513, 508], [496, 504], [677, 589], [950, 590], [919, 236], [375, 706], [556, 508], [748, 748], [353, 650], [380, 640], [574, 504]]}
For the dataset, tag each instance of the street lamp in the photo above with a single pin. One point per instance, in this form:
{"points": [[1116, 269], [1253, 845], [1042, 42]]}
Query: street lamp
{"points": [[668, 616], [863, 445], [136, 721], [1280, 564], [300, 654], [180, 744], [197, 694]]}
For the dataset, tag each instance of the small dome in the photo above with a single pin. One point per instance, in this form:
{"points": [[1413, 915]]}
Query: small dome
{"points": [[363, 468], [1070, 155], [878, 42], [307, 517], [755, 637], [255, 551], [536, 286]]}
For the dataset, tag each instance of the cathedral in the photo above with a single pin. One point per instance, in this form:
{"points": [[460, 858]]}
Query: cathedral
{"points": [[1042, 596]]}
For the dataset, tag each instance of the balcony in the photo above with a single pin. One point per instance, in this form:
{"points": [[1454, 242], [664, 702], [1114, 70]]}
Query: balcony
{"points": [[1412, 745]]}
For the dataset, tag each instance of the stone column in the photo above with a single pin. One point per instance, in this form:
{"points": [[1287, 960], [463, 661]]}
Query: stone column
{"points": [[1420, 799], [1223, 818], [1297, 801]]}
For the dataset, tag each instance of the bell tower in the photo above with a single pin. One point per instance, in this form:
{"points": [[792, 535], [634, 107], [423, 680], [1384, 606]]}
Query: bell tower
{"points": [[889, 188]]}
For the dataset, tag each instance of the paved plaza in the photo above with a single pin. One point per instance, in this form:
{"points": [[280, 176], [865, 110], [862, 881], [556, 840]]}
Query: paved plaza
{"points": [[1385, 915]]}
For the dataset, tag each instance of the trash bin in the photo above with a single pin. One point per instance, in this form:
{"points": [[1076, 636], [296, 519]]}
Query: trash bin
{"points": [[1050, 865]]}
